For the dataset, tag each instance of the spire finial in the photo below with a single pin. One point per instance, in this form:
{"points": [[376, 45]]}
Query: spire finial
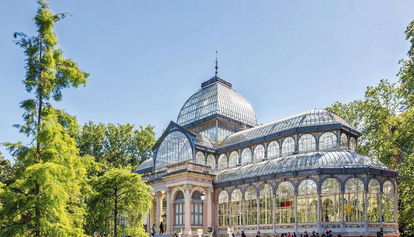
{"points": [[216, 65]]}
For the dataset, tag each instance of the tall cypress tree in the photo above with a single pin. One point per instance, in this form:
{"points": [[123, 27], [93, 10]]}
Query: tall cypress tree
{"points": [[45, 197]]}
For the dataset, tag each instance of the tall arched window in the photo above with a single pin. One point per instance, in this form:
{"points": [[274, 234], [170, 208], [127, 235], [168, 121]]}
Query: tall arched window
{"points": [[354, 200], [331, 201], [288, 146], [307, 142], [374, 200], [259, 152], [211, 161], [344, 141], [388, 201], [352, 144], [175, 147], [233, 159], [285, 203], [327, 141], [250, 207], [179, 208], [200, 159], [273, 149], [236, 208], [222, 162], [307, 202], [266, 205], [196, 209], [223, 208], [246, 156]]}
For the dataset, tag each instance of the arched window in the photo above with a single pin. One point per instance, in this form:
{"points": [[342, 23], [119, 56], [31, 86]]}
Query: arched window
{"points": [[273, 149], [354, 200], [222, 162], [307, 142], [327, 141], [179, 208], [223, 208], [236, 208], [200, 159], [307, 202], [196, 209], [246, 156], [352, 144], [233, 159], [266, 205], [344, 141], [173, 149], [259, 152], [250, 207], [211, 161], [285, 203], [388, 201], [331, 201], [288, 146], [374, 200]]}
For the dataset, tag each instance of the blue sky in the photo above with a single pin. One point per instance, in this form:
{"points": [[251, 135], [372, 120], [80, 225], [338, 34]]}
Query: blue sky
{"points": [[147, 57]]}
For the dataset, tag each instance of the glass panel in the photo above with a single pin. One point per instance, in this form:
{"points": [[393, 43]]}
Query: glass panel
{"points": [[354, 200], [288, 146], [307, 202], [211, 161], [344, 141], [285, 201], [200, 159], [223, 217], [234, 159], [250, 206], [373, 201], [307, 142], [236, 208], [352, 144], [174, 148], [246, 156], [273, 149], [388, 202], [222, 162], [327, 141], [266, 205], [259, 153], [331, 201]]}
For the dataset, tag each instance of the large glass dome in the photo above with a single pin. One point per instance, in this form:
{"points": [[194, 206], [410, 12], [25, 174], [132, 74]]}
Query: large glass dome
{"points": [[216, 96]]}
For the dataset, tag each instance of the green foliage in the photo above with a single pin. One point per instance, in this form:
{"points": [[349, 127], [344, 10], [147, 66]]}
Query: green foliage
{"points": [[116, 145], [386, 119], [6, 170], [118, 193]]}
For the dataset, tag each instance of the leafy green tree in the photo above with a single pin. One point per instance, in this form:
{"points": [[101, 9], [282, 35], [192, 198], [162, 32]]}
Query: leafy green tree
{"points": [[118, 195], [6, 170], [116, 145], [386, 119], [45, 197]]}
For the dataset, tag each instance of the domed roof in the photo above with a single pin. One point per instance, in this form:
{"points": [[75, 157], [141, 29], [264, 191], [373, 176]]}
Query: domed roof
{"points": [[217, 97], [145, 166]]}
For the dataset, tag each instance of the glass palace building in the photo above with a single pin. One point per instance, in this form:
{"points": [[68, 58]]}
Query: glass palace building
{"points": [[216, 167]]}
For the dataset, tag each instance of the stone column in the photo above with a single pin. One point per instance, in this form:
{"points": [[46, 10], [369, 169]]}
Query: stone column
{"points": [[169, 211], [380, 207], [187, 210], [209, 211], [258, 209], [158, 199], [342, 210], [151, 221], [366, 209], [274, 213]]}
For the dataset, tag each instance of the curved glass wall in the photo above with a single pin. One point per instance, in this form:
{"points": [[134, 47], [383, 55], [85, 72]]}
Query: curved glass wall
{"points": [[273, 149], [223, 208], [211, 161], [388, 201], [250, 206], [174, 148], [288, 146], [233, 159], [307, 142], [179, 208], [344, 141], [222, 162], [307, 202], [354, 200], [352, 144], [246, 156], [266, 205], [331, 201], [285, 203], [259, 152], [374, 200], [327, 141], [235, 208], [200, 159]]}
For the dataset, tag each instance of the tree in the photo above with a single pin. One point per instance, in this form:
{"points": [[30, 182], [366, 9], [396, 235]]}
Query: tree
{"points": [[45, 197], [116, 145], [386, 119], [6, 170], [118, 195]]}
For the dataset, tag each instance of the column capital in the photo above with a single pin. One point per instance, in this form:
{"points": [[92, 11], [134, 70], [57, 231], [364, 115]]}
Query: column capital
{"points": [[187, 186]]}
